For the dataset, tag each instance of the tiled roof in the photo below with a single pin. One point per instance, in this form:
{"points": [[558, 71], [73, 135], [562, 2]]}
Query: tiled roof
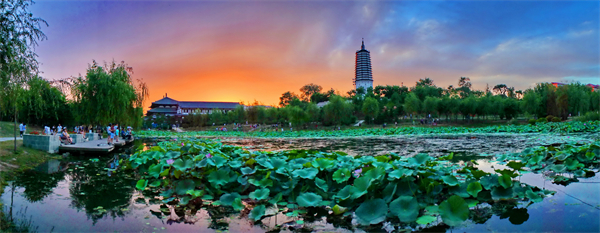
{"points": [[166, 100], [208, 105], [163, 110]]}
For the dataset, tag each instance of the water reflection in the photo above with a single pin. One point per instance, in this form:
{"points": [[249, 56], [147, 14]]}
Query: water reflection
{"points": [[99, 197]]}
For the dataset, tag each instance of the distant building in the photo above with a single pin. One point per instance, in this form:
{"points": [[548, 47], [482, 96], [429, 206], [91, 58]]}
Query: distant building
{"points": [[170, 107], [364, 74], [594, 87]]}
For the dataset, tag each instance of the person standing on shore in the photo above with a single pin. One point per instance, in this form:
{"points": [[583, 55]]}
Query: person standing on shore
{"points": [[22, 128]]}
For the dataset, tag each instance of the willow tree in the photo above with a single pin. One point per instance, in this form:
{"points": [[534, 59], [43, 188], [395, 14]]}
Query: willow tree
{"points": [[19, 33], [108, 94]]}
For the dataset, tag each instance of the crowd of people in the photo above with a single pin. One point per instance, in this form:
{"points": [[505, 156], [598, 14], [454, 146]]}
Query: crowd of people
{"points": [[113, 131]]}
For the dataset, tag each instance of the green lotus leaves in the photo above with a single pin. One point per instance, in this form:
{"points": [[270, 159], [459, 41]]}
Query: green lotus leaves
{"points": [[474, 188], [337, 210], [533, 196], [489, 182], [260, 194], [306, 178], [219, 161], [450, 180], [572, 164], [426, 219], [219, 177], [237, 204], [323, 163], [257, 213], [247, 170], [454, 210], [371, 212], [182, 186], [228, 198], [322, 184], [515, 165], [181, 165], [155, 170], [308, 200], [375, 174], [278, 163], [501, 193], [341, 175], [406, 208], [419, 159], [399, 173], [505, 181], [307, 173], [345, 193], [141, 184]]}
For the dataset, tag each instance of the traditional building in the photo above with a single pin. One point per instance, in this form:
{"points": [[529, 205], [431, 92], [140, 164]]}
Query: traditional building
{"points": [[363, 75], [170, 107]]}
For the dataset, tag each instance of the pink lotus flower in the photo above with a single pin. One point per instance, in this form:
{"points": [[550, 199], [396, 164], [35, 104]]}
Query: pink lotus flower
{"points": [[175, 139], [357, 172], [170, 161], [182, 144], [209, 156]]}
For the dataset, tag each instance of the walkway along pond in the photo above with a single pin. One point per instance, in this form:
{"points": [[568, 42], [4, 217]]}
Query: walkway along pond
{"points": [[99, 196]]}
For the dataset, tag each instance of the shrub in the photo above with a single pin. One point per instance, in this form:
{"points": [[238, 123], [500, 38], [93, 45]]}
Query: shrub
{"points": [[549, 118], [542, 120], [556, 119], [513, 121], [590, 116], [532, 121]]}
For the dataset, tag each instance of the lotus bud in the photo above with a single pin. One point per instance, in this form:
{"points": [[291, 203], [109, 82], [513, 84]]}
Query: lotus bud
{"points": [[170, 161]]}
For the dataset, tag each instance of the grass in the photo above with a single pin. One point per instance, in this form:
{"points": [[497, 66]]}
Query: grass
{"points": [[7, 129]]}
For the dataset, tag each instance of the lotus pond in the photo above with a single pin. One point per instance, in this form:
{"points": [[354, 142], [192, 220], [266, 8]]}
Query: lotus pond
{"points": [[515, 183]]}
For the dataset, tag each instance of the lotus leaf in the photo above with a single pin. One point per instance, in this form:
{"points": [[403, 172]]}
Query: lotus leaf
{"points": [[515, 165], [307, 173], [572, 164], [505, 181], [257, 213], [501, 193], [399, 173], [474, 188], [308, 200], [219, 161], [558, 168], [454, 210], [375, 174], [450, 180], [276, 198], [165, 172], [323, 163], [154, 170], [389, 191], [345, 193], [247, 170], [341, 175], [533, 196], [219, 177], [337, 210], [260, 194], [141, 184], [489, 182], [278, 163], [406, 208], [426, 219], [228, 198], [182, 186], [264, 162], [322, 184], [183, 165], [237, 204], [371, 212], [419, 159]]}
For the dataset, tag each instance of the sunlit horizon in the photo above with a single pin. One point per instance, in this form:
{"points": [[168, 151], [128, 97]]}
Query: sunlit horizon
{"points": [[256, 50]]}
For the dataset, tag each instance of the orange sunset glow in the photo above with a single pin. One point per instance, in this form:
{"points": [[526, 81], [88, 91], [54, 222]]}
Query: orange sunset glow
{"points": [[247, 51]]}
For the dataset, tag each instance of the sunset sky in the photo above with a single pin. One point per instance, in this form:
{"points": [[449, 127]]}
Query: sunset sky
{"points": [[257, 50]]}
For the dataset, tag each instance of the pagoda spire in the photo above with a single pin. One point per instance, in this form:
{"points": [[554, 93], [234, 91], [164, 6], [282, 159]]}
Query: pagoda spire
{"points": [[363, 43]]}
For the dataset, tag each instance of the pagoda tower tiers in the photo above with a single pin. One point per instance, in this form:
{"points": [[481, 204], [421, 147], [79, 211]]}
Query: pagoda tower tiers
{"points": [[364, 74]]}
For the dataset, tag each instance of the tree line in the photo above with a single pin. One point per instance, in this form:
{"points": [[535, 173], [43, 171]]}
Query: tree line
{"points": [[390, 104]]}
